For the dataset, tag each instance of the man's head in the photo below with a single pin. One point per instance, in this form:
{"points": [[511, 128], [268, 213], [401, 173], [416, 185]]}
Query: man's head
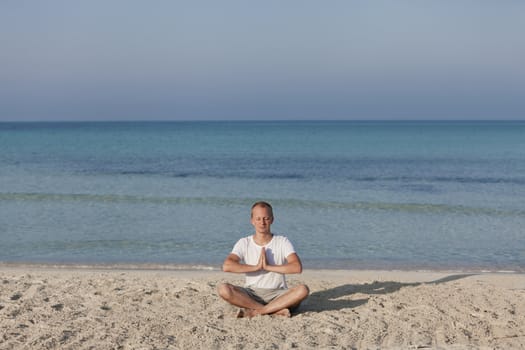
{"points": [[262, 204], [262, 217]]}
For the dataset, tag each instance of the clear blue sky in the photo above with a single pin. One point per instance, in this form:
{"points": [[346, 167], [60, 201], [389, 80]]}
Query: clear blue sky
{"points": [[273, 59]]}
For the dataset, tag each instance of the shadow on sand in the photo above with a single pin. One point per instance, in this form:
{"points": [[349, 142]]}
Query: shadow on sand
{"points": [[334, 298]]}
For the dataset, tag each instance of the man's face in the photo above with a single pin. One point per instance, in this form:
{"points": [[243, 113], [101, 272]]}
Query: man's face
{"points": [[261, 219]]}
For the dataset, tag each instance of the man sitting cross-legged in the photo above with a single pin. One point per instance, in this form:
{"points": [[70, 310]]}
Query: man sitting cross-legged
{"points": [[265, 258]]}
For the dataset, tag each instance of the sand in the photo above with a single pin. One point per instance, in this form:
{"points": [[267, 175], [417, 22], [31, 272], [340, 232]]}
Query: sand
{"points": [[95, 308]]}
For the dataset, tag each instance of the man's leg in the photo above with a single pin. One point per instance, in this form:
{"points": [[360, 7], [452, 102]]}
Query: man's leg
{"points": [[236, 296], [280, 305]]}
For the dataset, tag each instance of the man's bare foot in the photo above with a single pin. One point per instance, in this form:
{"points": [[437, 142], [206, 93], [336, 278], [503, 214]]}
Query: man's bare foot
{"points": [[283, 313], [251, 313]]}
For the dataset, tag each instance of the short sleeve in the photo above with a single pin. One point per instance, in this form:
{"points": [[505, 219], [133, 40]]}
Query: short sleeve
{"points": [[287, 247], [240, 248]]}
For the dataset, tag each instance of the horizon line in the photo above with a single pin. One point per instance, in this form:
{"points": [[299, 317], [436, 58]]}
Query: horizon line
{"points": [[255, 120]]}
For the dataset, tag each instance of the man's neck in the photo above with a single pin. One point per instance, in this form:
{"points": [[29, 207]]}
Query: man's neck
{"points": [[262, 238]]}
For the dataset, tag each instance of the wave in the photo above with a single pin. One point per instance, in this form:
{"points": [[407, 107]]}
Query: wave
{"points": [[121, 244], [213, 175], [75, 265], [306, 171], [427, 208], [454, 179], [114, 198]]}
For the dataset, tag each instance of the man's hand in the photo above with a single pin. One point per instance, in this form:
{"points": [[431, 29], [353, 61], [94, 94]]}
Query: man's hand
{"points": [[262, 260], [292, 265]]}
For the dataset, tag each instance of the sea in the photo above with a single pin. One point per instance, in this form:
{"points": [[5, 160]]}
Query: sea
{"points": [[349, 194]]}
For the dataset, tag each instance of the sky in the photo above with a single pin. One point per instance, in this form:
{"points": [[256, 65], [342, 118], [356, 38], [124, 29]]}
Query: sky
{"points": [[261, 60]]}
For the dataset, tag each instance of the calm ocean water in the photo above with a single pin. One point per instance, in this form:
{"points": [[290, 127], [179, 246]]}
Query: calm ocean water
{"points": [[348, 194]]}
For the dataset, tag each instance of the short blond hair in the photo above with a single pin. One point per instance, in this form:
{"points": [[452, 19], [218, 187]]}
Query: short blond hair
{"points": [[262, 204]]}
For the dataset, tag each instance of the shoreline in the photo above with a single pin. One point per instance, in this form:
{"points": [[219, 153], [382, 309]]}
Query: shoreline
{"points": [[217, 268]]}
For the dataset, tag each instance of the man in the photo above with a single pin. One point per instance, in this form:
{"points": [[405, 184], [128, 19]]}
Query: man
{"points": [[265, 258]]}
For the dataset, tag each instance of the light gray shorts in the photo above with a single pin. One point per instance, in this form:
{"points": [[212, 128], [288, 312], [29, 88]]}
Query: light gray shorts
{"points": [[264, 295]]}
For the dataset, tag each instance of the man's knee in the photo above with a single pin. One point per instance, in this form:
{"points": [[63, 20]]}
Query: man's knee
{"points": [[302, 291], [225, 290]]}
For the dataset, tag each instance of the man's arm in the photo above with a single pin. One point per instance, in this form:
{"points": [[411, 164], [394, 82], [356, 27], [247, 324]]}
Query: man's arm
{"points": [[293, 265], [232, 263]]}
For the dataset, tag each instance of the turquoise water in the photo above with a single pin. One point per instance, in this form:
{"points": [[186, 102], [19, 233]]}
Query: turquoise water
{"points": [[348, 194]]}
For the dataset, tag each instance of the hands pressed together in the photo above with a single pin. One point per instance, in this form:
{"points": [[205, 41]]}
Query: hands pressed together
{"points": [[263, 263], [292, 265]]}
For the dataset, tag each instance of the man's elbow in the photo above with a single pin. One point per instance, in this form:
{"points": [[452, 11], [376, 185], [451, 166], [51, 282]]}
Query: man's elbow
{"points": [[298, 268]]}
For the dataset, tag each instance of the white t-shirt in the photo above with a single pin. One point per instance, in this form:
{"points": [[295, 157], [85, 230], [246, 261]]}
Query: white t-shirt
{"points": [[277, 250]]}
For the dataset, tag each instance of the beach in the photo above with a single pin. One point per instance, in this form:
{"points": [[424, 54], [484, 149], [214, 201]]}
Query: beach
{"points": [[94, 307]]}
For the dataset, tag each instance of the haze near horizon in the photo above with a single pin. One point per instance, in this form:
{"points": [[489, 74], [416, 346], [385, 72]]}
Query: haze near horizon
{"points": [[237, 60]]}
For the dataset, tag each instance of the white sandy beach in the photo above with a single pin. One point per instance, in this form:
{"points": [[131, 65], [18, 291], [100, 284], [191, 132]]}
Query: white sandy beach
{"points": [[90, 308]]}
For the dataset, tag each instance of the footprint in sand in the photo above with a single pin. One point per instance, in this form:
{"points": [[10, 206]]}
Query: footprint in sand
{"points": [[57, 307], [16, 296]]}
